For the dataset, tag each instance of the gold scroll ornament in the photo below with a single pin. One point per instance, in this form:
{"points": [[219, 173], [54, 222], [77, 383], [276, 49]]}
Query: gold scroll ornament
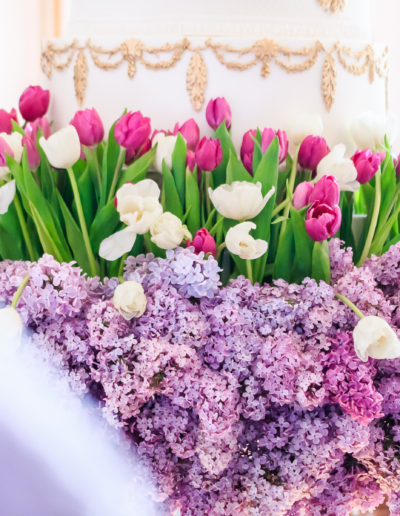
{"points": [[334, 6], [264, 52]]}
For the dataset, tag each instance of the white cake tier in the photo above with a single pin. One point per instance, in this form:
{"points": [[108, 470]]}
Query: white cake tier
{"points": [[266, 81]]}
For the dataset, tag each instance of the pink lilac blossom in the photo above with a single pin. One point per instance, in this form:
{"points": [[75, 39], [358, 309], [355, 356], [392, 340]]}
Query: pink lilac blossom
{"points": [[242, 400]]}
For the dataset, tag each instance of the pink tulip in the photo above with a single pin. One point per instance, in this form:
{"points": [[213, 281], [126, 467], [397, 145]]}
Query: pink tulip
{"points": [[326, 190], [302, 194], [203, 242], [6, 120], [191, 160], [247, 149], [89, 127], [268, 135], [208, 154], [132, 154], [132, 130], [32, 152], [322, 220], [4, 149], [312, 150], [366, 164], [34, 102], [32, 128], [191, 133], [217, 111]]}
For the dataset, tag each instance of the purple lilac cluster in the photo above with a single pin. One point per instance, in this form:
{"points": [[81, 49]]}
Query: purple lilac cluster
{"points": [[241, 399]]}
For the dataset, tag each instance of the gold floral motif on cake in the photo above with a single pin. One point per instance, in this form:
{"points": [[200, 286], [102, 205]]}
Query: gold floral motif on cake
{"points": [[334, 6], [266, 53]]}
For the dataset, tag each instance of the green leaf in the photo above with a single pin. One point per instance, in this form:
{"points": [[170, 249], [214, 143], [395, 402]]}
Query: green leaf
{"points": [[104, 224], [112, 155], [240, 264], [137, 170], [321, 267], [219, 174], [93, 169], [235, 170], [192, 203], [284, 256], [388, 187], [257, 154], [169, 194], [303, 245], [49, 246], [11, 239], [179, 166], [87, 194]]}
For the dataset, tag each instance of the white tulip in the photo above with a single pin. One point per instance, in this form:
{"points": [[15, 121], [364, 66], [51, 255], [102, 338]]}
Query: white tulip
{"points": [[117, 244], [239, 241], [303, 125], [130, 300], [240, 200], [369, 129], [62, 148], [168, 231], [7, 194], [14, 140], [138, 205], [165, 148], [335, 164], [11, 330], [373, 337]]}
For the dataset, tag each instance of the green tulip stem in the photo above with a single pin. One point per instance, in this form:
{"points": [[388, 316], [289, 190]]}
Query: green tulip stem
{"points": [[374, 219], [249, 270], [351, 305], [213, 230], [280, 207], [116, 174], [292, 181], [207, 186], [19, 291], [220, 248], [82, 222], [24, 228]]}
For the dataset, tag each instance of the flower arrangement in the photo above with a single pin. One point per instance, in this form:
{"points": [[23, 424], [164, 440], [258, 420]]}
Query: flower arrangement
{"points": [[237, 312]]}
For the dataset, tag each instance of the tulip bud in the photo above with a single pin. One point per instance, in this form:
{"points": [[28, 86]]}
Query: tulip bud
{"points": [[191, 160], [203, 242], [165, 149], [301, 196], [239, 241], [14, 142], [247, 149], [6, 120], [130, 300], [208, 154], [268, 135], [326, 191], [132, 130], [34, 103], [167, 232], [32, 152], [191, 133], [373, 337], [217, 111], [89, 127], [132, 154], [322, 221], [366, 164], [7, 194], [32, 128], [5, 149], [62, 148], [312, 150]]}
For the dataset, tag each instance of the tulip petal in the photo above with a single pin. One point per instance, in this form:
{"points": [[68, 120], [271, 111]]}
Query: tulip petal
{"points": [[63, 148], [116, 245], [7, 194]]}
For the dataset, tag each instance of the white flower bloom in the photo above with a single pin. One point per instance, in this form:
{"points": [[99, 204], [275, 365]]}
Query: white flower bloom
{"points": [[138, 205], [303, 125], [240, 200], [335, 164], [62, 148], [165, 148], [7, 194], [239, 241], [373, 337], [369, 129], [14, 140], [130, 300], [11, 330], [117, 244], [168, 231]]}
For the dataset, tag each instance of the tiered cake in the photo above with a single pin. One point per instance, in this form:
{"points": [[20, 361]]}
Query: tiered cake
{"points": [[269, 58]]}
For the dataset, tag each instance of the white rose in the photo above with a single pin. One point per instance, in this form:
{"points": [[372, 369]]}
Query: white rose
{"points": [[373, 337], [7, 194], [168, 231], [369, 129], [240, 200], [335, 164], [239, 241], [130, 300], [11, 329], [165, 148], [62, 148], [303, 125]]}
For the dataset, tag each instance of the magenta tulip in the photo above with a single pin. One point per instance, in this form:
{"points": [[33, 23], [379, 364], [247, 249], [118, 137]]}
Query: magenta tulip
{"points": [[132, 130], [6, 120], [89, 127], [203, 242], [247, 149], [5, 149], [132, 154], [217, 111], [268, 135], [32, 128], [366, 164], [326, 190], [34, 103], [301, 196], [322, 220], [191, 160], [208, 154], [312, 150], [32, 152], [191, 133]]}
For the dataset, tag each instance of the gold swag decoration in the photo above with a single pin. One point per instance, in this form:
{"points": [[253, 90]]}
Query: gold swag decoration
{"points": [[334, 6], [264, 52]]}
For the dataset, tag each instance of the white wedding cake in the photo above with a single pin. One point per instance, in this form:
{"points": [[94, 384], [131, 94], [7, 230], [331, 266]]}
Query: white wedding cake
{"points": [[271, 59]]}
